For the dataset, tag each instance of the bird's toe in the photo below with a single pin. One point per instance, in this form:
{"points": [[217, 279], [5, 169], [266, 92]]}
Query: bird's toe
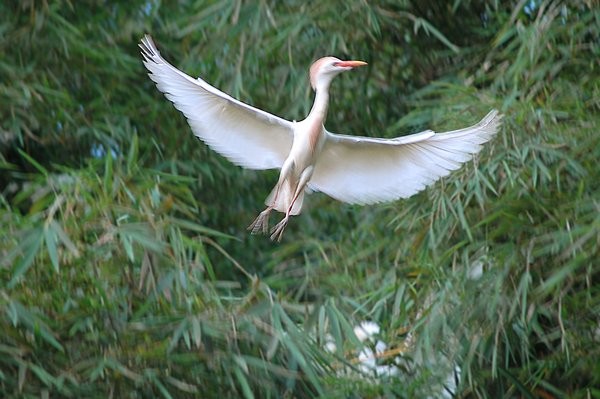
{"points": [[260, 224], [277, 232]]}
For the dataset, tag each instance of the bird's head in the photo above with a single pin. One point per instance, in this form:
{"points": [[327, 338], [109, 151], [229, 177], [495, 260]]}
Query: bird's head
{"points": [[323, 70]]}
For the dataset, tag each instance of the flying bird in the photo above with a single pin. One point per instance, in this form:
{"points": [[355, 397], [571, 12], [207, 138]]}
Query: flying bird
{"points": [[352, 169]]}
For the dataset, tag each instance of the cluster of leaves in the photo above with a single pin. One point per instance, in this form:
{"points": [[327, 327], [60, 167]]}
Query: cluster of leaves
{"points": [[125, 268]]}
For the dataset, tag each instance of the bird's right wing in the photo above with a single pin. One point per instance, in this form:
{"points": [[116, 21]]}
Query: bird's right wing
{"points": [[362, 170], [245, 135]]}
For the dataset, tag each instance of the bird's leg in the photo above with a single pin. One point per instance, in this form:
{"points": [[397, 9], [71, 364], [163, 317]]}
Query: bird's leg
{"points": [[261, 223], [262, 220], [277, 231]]}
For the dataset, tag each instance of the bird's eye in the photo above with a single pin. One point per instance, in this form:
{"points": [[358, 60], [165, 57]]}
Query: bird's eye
{"points": [[336, 64]]}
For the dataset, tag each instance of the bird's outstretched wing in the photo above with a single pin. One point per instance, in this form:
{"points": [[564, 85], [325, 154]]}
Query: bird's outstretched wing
{"points": [[245, 135], [362, 170]]}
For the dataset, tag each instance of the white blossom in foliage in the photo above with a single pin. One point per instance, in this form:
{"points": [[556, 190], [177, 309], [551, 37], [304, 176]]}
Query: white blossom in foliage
{"points": [[366, 330]]}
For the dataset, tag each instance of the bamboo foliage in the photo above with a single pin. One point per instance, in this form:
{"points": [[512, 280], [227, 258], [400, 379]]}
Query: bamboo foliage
{"points": [[125, 268]]}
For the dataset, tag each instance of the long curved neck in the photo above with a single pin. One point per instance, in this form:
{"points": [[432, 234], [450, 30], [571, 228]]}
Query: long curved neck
{"points": [[321, 103]]}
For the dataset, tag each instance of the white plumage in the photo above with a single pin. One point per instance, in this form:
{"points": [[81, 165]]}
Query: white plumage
{"points": [[357, 170]]}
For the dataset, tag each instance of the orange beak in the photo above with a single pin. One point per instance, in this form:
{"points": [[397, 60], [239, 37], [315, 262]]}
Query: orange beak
{"points": [[350, 64]]}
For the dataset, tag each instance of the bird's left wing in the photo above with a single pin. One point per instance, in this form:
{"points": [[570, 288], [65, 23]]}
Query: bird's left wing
{"points": [[245, 135], [362, 170]]}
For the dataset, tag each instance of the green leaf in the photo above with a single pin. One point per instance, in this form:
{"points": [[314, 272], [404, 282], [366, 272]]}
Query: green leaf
{"points": [[33, 162], [29, 247], [189, 225], [243, 381], [50, 239]]}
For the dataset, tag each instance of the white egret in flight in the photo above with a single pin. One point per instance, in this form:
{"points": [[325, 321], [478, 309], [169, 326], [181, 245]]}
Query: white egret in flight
{"points": [[352, 169]]}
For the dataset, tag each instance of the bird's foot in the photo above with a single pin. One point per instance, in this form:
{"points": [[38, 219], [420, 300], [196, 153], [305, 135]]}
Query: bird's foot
{"points": [[277, 231], [261, 223]]}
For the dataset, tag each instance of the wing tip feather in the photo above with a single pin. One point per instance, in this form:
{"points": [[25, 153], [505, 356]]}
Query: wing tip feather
{"points": [[148, 47], [491, 122]]}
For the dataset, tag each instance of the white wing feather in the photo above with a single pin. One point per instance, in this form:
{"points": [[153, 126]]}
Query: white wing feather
{"points": [[362, 170], [245, 135]]}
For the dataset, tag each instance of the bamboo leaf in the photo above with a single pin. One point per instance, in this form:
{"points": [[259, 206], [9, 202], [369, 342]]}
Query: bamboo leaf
{"points": [[50, 239], [243, 381], [29, 247]]}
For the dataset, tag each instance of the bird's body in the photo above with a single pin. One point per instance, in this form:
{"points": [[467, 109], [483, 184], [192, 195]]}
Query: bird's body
{"points": [[308, 134], [287, 197], [352, 169]]}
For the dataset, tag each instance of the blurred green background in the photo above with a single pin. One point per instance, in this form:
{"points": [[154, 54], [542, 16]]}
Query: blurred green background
{"points": [[125, 267]]}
